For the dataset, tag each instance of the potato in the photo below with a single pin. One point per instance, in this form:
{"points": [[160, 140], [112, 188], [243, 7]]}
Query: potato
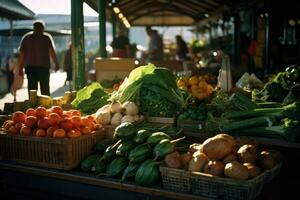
{"points": [[227, 137], [252, 169], [185, 159], [194, 147], [217, 148], [236, 170], [172, 160], [267, 160], [214, 167], [229, 158], [247, 153], [197, 163]]}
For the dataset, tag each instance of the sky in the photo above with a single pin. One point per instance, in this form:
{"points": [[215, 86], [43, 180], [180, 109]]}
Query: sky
{"points": [[55, 7]]}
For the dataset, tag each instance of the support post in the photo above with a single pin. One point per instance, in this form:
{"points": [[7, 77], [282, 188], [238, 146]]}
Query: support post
{"points": [[77, 44], [114, 25], [102, 28], [236, 39]]}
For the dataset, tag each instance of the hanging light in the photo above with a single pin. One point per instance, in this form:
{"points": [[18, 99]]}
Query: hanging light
{"points": [[116, 10]]}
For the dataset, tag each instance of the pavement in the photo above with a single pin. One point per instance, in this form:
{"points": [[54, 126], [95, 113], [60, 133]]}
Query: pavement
{"points": [[57, 88]]}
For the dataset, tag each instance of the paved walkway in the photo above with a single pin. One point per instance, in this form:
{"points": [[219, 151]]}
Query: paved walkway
{"points": [[57, 88]]}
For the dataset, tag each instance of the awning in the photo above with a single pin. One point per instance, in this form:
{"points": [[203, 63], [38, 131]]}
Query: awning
{"points": [[13, 9], [166, 12], [22, 31]]}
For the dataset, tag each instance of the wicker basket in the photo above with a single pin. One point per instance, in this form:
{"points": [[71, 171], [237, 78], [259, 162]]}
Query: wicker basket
{"points": [[229, 189], [63, 153], [177, 180], [270, 174]]}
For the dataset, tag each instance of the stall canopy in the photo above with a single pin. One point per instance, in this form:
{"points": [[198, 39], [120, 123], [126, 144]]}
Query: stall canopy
{"points": [[22, 31], [166, 12], [14, 10]]}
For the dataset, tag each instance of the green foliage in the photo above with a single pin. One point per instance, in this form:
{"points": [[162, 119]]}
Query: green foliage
{"points": [[90, 98]]}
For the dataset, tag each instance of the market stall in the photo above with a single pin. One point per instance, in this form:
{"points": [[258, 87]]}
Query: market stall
{"points": [[156, 138]]}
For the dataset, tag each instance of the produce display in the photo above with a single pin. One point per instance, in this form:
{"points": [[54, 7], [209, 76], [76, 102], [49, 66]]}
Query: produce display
{"points": [[154, 89], [283, 88], [50, 123], [224, 156], [116, 113], [134, 153], [113, 83], [198, 86], [90, 98], [139, 148]]}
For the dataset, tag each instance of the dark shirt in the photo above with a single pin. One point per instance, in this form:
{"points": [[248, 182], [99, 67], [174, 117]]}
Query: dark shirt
{"points": [[120, 42], [36, 49], [182, 50]]}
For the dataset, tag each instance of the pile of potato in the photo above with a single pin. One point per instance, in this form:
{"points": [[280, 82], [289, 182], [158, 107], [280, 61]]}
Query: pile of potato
{"points": [[224, 156]]}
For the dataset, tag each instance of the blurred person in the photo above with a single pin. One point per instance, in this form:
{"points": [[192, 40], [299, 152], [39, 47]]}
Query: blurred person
{"points": [[68, 64], [120, 45], [155, 46], [181, 49], [18, 79], [35, 49]]}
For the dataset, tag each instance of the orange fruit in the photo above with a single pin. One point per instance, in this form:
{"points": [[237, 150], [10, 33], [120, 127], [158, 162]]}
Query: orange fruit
{"points": [[193, 80], [30, 112], [180, 83], [40, 133], [30, 121], [41, 112], [57, 109], [54, 119], [19, 116], [74, 134], [59, 133], [202, 83]]}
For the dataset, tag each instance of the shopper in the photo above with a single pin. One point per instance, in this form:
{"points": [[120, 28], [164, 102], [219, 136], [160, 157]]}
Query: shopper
{"points": [[155, 46], [17, 78], [36, 48], [68, 64], [181, 49], [120, 45]]}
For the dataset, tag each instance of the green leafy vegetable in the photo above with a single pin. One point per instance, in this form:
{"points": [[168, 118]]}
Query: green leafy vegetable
{"points": [[90, 98]]}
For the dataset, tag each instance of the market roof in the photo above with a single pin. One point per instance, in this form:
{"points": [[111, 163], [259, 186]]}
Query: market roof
{"points": [[13, 9], [22, 31], [166, 12]]}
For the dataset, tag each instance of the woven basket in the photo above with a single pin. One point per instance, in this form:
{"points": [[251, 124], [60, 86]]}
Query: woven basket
{"points": [[229, 189], [63, 154], [270, 174], [177, 180]]}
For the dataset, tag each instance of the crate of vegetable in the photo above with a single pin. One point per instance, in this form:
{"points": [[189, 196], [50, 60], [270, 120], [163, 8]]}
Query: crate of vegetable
{"points": [[50, 138], [192, 121], [230, 189]]}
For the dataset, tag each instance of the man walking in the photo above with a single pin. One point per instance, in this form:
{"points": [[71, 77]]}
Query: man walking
{"points": [[36, 48]]}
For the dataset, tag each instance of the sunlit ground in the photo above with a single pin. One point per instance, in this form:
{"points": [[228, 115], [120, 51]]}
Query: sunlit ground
{"points": [[57, 88]]}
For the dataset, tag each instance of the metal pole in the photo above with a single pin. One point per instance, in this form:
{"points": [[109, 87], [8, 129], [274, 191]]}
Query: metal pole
{"points": [[236, 39], [267, 52], [102, 28], [77, 43], [114, 25]]}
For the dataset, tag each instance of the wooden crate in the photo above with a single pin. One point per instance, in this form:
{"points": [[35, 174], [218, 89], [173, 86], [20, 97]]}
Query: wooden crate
{"points": [[64, 154], [109, 130], [108, 68], [161, 120], [193, 128]]}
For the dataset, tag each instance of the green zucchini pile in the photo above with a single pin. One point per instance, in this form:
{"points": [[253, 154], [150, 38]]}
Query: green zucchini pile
{"points": [[132, 154]]}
